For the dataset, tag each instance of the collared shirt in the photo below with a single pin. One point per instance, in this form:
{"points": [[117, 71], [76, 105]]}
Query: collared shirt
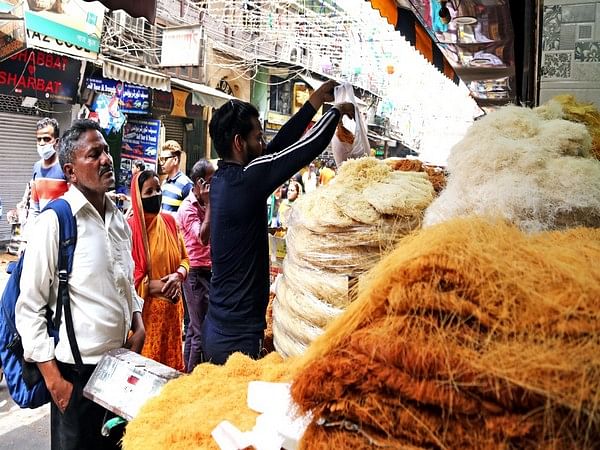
{"points": [[190, 217], [103, 297], [174, 190]]}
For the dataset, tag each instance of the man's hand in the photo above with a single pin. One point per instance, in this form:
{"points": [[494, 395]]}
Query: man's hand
{"points": [[60, 389], [345, 109], [204, 192], [136, 339], [323, 94]]}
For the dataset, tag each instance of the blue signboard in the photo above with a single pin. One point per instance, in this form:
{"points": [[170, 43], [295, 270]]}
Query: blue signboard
{"points": [[140, 139], [132, 99]]}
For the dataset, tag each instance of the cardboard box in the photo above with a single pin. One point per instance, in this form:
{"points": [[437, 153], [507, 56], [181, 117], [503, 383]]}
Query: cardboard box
{"points": [[123, 381]]}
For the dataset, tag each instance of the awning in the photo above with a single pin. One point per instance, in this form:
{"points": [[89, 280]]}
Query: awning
{"points": [[204, 95], [471, 40], [405, 21], [143, 77], [374, 136]]}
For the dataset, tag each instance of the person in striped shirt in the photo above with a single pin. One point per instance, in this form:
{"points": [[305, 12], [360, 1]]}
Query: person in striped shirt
{"points": [[48, 181], [177, 186]]}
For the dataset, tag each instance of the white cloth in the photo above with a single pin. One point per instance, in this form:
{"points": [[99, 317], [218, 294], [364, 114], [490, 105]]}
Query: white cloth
{"points": [[309, 179], [103, 297]]}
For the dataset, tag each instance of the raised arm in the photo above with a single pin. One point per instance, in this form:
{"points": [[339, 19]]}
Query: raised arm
{"points": [[270, 171], [295, 127]]}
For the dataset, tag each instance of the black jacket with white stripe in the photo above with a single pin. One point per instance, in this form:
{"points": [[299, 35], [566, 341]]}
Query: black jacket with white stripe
{"points": [[239, 290]]}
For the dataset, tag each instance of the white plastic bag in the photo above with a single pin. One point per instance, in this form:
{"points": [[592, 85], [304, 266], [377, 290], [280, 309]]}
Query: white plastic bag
{"points": [[342, 150]]}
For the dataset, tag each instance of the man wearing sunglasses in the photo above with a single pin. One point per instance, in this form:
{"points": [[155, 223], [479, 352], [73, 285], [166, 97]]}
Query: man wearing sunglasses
{"points": [[177, 186]]}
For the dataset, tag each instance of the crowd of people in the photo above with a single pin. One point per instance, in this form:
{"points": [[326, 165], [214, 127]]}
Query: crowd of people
{"points": [[192, 247], [317, 173]]}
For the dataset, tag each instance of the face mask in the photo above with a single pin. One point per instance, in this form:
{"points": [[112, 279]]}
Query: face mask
{"points": [[152, 204], [46, 151]]}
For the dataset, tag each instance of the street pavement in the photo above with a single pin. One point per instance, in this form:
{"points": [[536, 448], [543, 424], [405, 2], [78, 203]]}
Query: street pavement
{"points": [[20, 429]]}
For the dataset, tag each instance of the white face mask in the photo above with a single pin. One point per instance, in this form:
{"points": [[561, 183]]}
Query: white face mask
{"points": [[46, 151]]}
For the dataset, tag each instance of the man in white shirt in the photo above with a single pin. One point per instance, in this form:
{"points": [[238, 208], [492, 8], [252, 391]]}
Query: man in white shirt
{"points": [[105, 308], [310, 178]]}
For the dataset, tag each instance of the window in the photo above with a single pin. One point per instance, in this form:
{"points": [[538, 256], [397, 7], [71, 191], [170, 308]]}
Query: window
{"points": [[280, 95]]}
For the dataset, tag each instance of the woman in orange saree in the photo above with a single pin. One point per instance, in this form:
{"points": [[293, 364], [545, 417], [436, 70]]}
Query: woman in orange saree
{"points": [[161, 265]]}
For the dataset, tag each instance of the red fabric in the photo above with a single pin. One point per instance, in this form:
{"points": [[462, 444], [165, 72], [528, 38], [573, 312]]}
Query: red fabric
{"points": [[137, 223]]}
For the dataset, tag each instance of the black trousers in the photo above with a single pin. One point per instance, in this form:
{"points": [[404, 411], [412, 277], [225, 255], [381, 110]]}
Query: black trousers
{"points": [[78, 428], [217, 346]]}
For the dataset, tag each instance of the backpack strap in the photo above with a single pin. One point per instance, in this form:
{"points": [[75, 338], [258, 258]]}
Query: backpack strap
{"points": [[67, 226]]}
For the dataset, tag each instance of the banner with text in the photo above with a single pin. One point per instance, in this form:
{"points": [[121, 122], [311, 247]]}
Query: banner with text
{"points": [[133, 99], [71, 21], [140, 139], [34, 73]]}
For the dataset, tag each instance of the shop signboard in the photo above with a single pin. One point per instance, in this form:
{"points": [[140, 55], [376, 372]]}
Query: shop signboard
{"points": [[175, 103], [133, 99], [46, 76], [162, 102], [140, 139], [12, 31], [181, 46], [45, 42], [275, 120], [75, 22], [224, 86]]}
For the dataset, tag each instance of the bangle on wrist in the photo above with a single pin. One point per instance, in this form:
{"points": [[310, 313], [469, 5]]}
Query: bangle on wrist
{"points": [[180, 275]]}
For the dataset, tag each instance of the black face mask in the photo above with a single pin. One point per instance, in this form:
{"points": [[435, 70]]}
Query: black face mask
{"points": [[152, 204]]}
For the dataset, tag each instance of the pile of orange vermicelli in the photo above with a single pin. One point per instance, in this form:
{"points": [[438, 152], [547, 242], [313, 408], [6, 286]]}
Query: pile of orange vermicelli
{"points": [[190, 407], [436, 175], [470, 334]]}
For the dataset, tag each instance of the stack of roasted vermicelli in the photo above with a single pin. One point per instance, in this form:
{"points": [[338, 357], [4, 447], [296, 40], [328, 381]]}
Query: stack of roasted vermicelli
{"points": [[344, 134], [470, 334], [336, 233], [190, 407], [436, 175]]}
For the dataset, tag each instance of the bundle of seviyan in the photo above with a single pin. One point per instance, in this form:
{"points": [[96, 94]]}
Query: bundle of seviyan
{"points": [[531, 167], [335, 234]]}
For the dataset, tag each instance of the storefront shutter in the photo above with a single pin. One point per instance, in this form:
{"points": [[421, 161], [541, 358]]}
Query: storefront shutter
{"points": [[174, 129], [18, 154]]}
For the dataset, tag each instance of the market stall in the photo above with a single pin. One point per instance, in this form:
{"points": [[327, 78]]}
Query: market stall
{"points": [[477, 331]]}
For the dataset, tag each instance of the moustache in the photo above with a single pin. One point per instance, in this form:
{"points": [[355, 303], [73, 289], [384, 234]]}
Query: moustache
{"points": [[106, 169]]}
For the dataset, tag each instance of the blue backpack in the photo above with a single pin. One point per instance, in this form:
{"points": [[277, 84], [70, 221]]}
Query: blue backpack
{"points": [[25, 382]]}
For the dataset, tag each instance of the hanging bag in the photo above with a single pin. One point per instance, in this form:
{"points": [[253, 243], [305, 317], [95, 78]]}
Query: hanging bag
{"points": [[351, 141]]}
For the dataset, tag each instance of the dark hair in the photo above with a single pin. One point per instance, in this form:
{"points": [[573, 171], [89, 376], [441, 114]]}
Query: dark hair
{"points": [[199, 169], [145, 175], [234, 117], [139, 164], [70, 140], [48, 121]]}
